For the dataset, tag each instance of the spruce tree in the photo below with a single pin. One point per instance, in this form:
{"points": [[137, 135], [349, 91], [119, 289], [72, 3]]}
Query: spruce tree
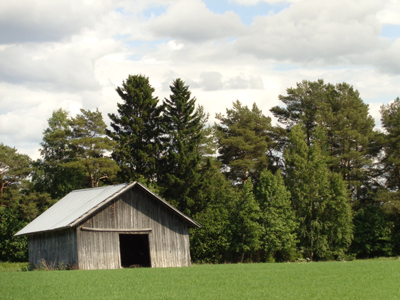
{"points": [[136, 130], [182, 126]]}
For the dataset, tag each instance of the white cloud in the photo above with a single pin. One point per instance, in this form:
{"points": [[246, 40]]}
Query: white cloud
{"points": [[390, 14], [38, 21], [190, 20], [316, 31], [254, 2]]}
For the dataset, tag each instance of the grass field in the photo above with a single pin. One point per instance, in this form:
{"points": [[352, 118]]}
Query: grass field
{"points": [[371, 279]]}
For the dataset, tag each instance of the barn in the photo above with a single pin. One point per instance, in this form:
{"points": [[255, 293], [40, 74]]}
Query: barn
{"points": [[110, 227]]}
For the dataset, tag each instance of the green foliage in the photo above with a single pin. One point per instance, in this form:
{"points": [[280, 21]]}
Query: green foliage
{"points": [[182, 125], [391, 160], [348, 128], [304, 104], [136, 130], [50, 174], [320, 200], [277, 217], [373, 232], [11, 248], [245, 226], [243, 142], [89, 145], [14, 167], [214, 202]]}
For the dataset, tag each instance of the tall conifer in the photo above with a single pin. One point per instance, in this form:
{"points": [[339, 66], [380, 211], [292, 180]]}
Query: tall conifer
{"points": [[136, 129], [183, 126]]}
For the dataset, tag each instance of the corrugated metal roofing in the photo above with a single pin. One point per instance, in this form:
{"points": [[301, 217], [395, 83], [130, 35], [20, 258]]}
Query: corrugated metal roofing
{"points": [[71, 207], [74, 207]]}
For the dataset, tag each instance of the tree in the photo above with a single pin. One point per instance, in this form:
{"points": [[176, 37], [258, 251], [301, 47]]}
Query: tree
{"points": [[349, 136], [320, 200], [49, 173], [11, 248], [347, 124], [214, 202], [182, 125], [245, 226], [243, 142], [391, 140], [22, 206], [277, 217], [136, 129], [14, 167], [373, 233], [89, 145]]}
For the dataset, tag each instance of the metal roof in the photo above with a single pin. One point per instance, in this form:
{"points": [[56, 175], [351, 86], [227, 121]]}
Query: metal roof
{"points": [[78, 204]]}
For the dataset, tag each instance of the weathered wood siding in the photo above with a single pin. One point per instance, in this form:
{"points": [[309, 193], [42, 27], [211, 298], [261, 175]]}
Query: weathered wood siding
{"points": [[54, 247], [135, 209]]}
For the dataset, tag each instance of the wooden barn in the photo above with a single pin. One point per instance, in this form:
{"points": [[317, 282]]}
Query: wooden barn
{"points": [[109, 228]]}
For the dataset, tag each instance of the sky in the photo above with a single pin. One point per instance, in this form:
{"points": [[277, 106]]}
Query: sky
{"points": [[73, 54]]}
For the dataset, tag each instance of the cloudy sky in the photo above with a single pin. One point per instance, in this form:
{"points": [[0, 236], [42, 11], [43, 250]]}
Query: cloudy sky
{"points": [[72, 54]]}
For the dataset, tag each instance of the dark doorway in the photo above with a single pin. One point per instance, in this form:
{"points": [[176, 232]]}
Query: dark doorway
{"points": [[135, 251]]}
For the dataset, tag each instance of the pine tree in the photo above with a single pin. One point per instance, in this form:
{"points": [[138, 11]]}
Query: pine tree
{"points": [[14, 167], [89, 145], [304, 104], [136, 130], [277, 217], [347, 124], [183, 127], [49, 174], [391, 160], [243, 137]]}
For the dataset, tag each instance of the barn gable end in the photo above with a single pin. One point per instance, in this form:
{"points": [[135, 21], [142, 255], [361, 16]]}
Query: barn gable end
{"points": [[134, 226]]}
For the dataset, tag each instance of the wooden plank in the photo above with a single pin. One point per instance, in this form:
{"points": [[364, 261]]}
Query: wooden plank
{"points": [[116, 229]]}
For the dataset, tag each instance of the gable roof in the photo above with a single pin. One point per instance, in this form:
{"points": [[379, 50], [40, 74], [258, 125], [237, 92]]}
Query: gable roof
{"points": [[77, 205]]}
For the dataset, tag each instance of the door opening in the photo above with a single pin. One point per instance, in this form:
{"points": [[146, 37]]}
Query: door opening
{"points": [[135, 250]]}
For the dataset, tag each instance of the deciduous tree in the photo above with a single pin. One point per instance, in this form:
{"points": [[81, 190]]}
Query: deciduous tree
{"points": [[320, 200], [277, 217]]}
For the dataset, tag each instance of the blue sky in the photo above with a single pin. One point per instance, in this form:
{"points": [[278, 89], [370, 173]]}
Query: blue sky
{"points": [[54, 55]]}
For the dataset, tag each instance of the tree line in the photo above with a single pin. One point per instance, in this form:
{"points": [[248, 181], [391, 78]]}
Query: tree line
{"points": [[320, 185]]}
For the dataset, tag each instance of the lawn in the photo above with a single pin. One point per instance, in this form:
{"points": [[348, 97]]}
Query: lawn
{"points": [[371, 279]]}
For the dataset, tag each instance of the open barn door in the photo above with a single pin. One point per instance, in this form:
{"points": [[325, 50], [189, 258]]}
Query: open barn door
{"points": [[135, 250]]}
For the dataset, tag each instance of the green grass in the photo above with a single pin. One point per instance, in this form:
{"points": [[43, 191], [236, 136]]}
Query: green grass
{"points": [[373, 279], [13, 267]]}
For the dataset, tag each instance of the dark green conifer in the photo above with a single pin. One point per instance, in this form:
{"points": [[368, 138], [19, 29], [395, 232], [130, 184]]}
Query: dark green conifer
{"points": [[136, 130], [183, 126]]}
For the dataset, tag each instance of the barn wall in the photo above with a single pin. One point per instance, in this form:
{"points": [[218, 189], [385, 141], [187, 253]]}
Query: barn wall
{"points": [[55, 247], [135, 209]]}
